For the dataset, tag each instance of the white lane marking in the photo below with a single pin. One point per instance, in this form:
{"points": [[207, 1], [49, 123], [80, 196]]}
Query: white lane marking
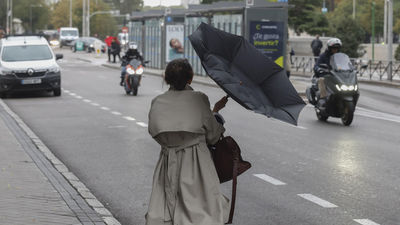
{"points": [[116, 113], [360, 111], [141, 124], [269, 179], [87, 100], [95, 104], [105, 108], [366, 222], [117, 126], [129, 118], [66, 91], [72, 94], [377, 115], [78, 97], [318, 201]]}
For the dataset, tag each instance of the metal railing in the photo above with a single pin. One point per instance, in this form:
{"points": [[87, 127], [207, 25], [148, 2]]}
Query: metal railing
{"points": [[374, 70]]}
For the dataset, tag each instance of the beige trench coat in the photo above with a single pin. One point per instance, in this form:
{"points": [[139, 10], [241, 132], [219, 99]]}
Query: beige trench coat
{"points": [[185, 184]]}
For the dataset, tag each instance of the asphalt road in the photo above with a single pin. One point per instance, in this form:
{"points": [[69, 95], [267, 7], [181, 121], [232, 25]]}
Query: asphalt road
{"points": [[317, 173]]}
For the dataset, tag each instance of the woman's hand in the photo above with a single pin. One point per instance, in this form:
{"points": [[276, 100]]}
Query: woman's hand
{"points": [[220, 104]]}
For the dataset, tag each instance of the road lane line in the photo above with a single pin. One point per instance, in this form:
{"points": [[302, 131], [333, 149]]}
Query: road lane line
{"points": [[366, 222], [78, 97], [141, 124], [318, 201], [72, 94], [95, 104], [269, 179], [129, 118], [87, 100], [105, 108], [66, 91], [116, 113]]}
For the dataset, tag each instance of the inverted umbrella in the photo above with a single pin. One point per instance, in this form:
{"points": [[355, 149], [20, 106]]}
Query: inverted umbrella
{"points": [[249, 77]]}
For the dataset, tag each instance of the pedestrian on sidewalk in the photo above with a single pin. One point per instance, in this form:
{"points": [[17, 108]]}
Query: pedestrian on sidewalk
{"points": [[186, 187], [115, 49], [316, 46], [108, 41]]}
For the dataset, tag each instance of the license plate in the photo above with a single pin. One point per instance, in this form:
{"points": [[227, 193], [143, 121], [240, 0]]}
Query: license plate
{"points": [[32, 81]]}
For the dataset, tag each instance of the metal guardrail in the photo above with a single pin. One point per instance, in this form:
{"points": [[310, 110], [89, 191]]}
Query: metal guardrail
{"points": [[374, 70]]}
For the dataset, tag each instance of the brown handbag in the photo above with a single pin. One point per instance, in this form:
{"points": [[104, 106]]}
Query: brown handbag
{"points": [[229, 164]]}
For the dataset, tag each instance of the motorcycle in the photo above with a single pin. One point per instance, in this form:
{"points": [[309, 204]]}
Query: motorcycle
{"points": [[341, 90], [133, 75]]}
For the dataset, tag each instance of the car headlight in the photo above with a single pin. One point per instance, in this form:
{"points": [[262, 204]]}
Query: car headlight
{"points": [[54, 42], [55, 69], [91, 45], [4, 72], [139, 71], [130, 71]]}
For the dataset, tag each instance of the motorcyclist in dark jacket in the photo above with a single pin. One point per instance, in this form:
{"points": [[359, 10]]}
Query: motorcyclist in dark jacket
{"points": [[131, 53], [334, 45]]}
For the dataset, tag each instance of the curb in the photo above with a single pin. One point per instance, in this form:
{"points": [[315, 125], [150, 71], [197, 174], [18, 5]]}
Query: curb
{"points": [[372, 82], [83, 191]]}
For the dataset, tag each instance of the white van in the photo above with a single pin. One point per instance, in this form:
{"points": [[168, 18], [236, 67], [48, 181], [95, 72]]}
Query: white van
{"points": [[27, 63], [68, 35]]}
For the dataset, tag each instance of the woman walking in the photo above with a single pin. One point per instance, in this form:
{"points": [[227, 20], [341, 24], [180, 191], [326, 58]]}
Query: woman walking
{"points": [[185, 183]]}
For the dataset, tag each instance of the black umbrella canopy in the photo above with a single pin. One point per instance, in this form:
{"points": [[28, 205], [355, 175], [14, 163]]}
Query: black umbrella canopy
{"points": [[249, 77]]}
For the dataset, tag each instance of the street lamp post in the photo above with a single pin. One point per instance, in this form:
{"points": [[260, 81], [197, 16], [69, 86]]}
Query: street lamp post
{"points": [[31, 6], [390, 38], [70, 13]]}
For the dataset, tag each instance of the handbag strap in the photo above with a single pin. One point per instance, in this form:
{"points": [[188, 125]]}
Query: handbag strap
{"points": [[234, 184]]}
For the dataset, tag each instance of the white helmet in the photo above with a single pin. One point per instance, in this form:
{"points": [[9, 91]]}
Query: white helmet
{"points": [[334, 43], [132, 45]]}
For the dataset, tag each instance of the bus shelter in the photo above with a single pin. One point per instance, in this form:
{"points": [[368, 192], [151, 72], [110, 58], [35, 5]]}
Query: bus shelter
{"points": [[162, 35]]}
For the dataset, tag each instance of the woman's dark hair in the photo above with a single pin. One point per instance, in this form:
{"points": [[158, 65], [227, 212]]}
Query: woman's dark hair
{"points": [[178, 73]]}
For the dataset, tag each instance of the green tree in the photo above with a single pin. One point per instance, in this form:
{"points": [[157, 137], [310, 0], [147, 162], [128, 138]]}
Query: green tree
{"points": [[101, 24], [22, 9], [397, 53], [350, 33], [302, 14], [127, 6]]}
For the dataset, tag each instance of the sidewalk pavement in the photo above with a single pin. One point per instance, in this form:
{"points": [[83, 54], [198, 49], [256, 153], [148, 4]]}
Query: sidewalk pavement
{"points": [[35, 187]]}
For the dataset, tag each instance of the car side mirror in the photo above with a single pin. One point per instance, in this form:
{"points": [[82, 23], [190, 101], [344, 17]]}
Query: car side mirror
{"points": [[59, 56]]}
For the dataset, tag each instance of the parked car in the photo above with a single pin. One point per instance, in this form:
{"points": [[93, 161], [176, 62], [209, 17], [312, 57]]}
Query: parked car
{"points": [[28, 63], [87, 44]]}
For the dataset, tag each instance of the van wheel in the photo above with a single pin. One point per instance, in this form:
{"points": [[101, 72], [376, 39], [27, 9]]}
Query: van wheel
{"points": [[57, 92]]}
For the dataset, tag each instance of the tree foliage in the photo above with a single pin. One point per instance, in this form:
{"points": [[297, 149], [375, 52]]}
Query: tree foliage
{"points": [[22, 10], [350, 33], [101, 24], [127, 6], [397, 53], [303, 13]]}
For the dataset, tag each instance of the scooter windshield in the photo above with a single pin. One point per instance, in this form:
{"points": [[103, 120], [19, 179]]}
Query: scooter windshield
{"points": [[341, 62]]}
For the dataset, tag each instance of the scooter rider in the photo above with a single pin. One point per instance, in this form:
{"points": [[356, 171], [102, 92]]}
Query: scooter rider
{"points": [[130, 54], [334, 45]]}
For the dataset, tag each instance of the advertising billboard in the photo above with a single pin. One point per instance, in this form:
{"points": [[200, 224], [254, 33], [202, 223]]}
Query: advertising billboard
{"points": [[268, 37], [174, 41]]}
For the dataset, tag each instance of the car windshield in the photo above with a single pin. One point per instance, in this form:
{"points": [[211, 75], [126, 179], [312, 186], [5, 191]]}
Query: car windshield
{"points": [[69, 33], [26, 53], [341, 62]]}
